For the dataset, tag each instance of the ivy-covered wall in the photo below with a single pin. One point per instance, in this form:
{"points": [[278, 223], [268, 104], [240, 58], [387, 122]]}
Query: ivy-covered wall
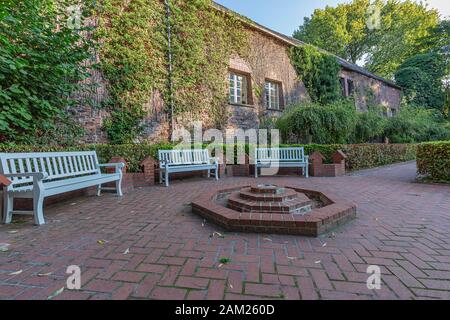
{"points": [[135, 95]]}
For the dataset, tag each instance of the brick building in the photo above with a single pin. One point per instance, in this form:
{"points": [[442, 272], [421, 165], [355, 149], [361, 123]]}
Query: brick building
{"points": [[268, 67]]}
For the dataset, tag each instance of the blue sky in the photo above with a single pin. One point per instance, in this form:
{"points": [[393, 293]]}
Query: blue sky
{"points": [[286, 15]]}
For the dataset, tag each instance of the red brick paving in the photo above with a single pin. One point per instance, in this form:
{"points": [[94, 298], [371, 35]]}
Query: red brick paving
{"points": [[154, 248]]}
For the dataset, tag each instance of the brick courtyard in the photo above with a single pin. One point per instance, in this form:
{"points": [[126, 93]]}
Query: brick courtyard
{"points": [[149, 245]]}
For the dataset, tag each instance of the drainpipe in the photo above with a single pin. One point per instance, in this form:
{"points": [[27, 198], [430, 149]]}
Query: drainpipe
{"points": [[170, 69]]}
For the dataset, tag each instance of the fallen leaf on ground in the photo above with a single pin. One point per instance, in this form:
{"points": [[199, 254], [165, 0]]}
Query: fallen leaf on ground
{"points": [[4, 247], [56, 293], [220, 265], [215, 233], [267, 239], [292, 258], [44, 274], [203, 223], [13, 231], [317, 262], [16, 272], [324, 245], [102, 242], [127, 251]]}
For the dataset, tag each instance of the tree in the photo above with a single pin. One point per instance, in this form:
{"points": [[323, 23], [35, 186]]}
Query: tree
{"points": [[421, 78], [341, 30], [348, 30], [404, 27]]}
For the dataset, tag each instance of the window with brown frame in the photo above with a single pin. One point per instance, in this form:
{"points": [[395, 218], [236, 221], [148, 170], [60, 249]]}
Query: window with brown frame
{"points": [[273, 95], [239, 86]]}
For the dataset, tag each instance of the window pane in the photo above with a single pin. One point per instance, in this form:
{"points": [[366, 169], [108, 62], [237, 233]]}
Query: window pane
{"points": [[272, 96], [232, 88]]}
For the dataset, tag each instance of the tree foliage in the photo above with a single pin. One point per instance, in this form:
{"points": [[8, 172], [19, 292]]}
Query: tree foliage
{"points": [[404, 29], [42, 64], [341, 30], [421, 78]]}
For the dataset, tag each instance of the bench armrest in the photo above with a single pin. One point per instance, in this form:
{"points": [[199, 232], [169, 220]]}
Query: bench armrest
{"points": [[37, 178], [34, 175], [307, 159], [117, 165]]}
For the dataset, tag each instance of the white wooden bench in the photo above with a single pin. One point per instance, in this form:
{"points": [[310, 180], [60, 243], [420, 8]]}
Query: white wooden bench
{"points": [[185, 160], [281, 158], [40, 175]]}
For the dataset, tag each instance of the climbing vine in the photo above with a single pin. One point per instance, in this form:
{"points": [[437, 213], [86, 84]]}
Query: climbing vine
{"points": [[319, 72], [134, 58], [202, 41]]}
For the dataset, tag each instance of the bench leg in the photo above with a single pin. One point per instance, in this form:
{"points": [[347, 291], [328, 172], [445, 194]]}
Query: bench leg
{"points": [[38, 204], [99, 190], [119, 187], [217, 172], [166, 177], [256, 171], [8, 203], [209, 174], [306, 171], [160, 176]]}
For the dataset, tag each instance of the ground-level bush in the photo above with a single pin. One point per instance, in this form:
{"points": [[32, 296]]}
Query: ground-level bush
{"points": [[360, 156], [433, 159], [414, 124], [315, 123]]}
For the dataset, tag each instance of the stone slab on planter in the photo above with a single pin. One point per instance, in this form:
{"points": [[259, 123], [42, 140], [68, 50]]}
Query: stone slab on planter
{"points": [[315, 223]]}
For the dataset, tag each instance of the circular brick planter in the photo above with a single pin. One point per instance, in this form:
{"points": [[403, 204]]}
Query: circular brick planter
{"points": [[271, 209]]}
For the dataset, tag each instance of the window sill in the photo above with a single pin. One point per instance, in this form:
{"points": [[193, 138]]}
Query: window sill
{"points": [[241, 105], [273, 109]]}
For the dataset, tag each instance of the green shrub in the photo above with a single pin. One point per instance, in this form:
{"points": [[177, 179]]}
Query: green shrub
{"points": [[433, 159], [315, 123], [370, 125], [417, 125]]}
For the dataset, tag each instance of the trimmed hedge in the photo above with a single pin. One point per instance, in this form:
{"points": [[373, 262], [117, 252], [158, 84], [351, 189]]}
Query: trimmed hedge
{"points": [[359, 156], [362, 156], [433, 159]]}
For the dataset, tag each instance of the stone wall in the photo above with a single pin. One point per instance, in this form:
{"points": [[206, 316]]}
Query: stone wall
{"points": [[367, 88]]}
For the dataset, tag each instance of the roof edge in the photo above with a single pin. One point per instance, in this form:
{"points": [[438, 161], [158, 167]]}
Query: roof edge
{"points": [[295, 42]]}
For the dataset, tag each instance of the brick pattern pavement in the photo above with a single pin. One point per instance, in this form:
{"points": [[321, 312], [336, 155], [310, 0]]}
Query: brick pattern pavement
{"points": [[148, 245]]}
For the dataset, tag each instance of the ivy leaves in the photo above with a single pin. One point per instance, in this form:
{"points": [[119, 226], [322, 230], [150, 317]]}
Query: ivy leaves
{"points": [[319, 72], [135, 60], [41, 66]]}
